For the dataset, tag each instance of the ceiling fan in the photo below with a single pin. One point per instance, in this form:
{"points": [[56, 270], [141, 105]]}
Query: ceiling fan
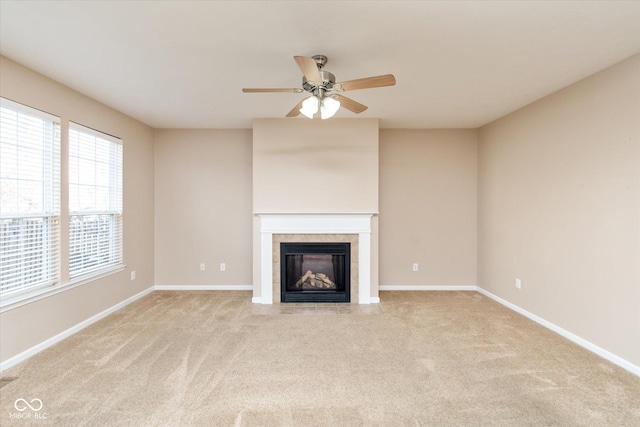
{"points": [[325, 92]]}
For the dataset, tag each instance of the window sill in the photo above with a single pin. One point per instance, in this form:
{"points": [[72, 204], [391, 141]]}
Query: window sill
{"points": [[7, 304]]}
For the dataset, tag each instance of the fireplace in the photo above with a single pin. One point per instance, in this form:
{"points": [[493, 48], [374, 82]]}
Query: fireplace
{"points": [[315, 272], [273, 229]]}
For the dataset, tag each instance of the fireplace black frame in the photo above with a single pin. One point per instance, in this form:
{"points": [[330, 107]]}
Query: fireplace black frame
{"points": [[315, 248]]}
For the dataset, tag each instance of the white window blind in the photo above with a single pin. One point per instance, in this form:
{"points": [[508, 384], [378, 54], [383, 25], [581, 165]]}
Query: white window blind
{"points": [[29, 199], [95, 201]]}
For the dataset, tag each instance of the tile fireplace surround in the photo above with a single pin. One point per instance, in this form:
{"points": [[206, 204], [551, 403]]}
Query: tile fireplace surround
{"points": [[315, 224]]}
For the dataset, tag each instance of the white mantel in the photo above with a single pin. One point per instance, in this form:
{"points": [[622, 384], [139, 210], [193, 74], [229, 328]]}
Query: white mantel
{"points": [[292, 223]]}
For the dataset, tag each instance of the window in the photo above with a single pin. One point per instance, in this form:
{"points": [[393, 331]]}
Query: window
{"points": [[29, 199], [31, 216], [95, 201]]}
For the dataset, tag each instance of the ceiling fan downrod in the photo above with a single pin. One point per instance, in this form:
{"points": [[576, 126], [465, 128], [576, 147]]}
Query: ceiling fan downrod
{"points": [[321, 61]]}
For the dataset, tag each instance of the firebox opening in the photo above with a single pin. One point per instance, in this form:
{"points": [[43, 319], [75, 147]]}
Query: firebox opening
{"points": [[315, 272]]}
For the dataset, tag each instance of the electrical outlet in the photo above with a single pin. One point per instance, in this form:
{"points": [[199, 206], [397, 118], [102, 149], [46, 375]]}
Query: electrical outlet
{"points": [[223, 267], [133, 275], [415, 266], [202, 266], [518, 283]]}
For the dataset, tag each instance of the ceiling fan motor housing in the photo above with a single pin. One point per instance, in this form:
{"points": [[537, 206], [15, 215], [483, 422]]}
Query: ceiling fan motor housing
{"points": [[327, 83]]}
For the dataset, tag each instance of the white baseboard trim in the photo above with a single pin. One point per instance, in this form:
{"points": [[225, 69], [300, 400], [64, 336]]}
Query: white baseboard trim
{"points": [[62, 335], [428, 288], [375, 300], [568, 335], [203, 287]]}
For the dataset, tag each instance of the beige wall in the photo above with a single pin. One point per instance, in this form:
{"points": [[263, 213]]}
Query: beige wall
{"points": [[315, 166], [428, 207], [559, 208], [24, 327], [203, 207]]}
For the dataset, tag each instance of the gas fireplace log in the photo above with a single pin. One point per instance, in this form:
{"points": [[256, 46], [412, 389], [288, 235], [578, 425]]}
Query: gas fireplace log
{"points": [[325, 279], [311, 280], [304, 278]]}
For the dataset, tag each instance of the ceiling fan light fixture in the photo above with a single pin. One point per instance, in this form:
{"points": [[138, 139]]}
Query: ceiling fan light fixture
{"points": [[310, 106], [329, 107], [324, 92]]}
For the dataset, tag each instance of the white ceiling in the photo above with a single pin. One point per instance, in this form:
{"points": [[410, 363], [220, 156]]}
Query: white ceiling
{"points": [[182, 64]]}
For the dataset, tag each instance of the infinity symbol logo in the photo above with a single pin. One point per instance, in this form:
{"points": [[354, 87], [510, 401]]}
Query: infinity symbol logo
{"points": [[36, 407]]}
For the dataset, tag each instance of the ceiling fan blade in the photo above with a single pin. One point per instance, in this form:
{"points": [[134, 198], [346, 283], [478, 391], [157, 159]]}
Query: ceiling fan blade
{"points": [[368, 82], [350, 104], [253, 90], [296, 110], [309, 68]]}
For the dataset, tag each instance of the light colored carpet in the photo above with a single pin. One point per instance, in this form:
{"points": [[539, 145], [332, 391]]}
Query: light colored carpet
{"points": [[418, 359]]}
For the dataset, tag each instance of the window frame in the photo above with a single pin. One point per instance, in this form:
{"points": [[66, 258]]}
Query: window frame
{"points": [[49, 252], [115, 211]]}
